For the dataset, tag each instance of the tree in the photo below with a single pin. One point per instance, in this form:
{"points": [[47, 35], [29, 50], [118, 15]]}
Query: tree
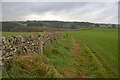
{"points": [[97, 25], [113, 26], [34, 24]]}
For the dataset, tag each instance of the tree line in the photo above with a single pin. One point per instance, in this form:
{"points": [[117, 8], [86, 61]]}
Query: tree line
{"points": [[39, 26]]}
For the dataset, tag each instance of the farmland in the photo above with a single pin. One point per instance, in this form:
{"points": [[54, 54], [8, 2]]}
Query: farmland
{"points": [[103, 44], [89, 53], [19, 33], [60, 40]]}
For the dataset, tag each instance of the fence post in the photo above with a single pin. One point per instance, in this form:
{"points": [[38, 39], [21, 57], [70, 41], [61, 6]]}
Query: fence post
{"points": [[40, 46]]}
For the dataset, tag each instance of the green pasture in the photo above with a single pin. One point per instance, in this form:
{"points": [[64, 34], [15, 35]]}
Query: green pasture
{"points": [[96, 58], [19, 33], [103, 44]]}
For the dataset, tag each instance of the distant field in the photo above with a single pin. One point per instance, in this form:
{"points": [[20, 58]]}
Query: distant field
{"points": [[19, 33], [105, 26], [103, 44]]}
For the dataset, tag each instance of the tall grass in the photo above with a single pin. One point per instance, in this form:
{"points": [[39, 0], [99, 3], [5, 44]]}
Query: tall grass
{"points": [[56, 59]]}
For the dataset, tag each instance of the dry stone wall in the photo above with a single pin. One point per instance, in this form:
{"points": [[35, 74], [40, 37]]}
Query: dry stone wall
{"points": [[25, 44]]}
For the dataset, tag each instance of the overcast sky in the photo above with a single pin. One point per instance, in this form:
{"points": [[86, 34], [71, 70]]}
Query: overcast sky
{"points": [[98, 12]]}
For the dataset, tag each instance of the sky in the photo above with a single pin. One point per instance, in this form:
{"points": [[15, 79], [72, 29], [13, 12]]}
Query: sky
{"points": [[97, 12]]}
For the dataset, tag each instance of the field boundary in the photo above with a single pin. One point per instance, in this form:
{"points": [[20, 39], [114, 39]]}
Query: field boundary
{"points": [[32, 44]]}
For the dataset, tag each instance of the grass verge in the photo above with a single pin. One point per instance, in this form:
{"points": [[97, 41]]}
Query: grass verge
{"points": [[55, 63]]}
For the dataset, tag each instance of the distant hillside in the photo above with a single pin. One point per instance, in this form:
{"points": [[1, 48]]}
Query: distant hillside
{"points": [[7, 26], [59, 24], [40, 26]]}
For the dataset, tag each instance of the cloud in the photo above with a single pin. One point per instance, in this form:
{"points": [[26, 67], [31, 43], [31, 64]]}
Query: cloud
{"points": [[60, 0], [98, 12]]}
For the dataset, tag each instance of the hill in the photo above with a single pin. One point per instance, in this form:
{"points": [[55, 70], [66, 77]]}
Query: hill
{"points": [[40, 26]]}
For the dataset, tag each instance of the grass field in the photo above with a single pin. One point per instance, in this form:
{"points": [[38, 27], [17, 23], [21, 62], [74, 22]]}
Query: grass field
{"points": [[83, 54], [103, 44], [19, 33]]}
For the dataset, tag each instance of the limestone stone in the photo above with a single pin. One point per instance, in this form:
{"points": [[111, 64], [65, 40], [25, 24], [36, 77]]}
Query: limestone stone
{"points": [[26, 44]]}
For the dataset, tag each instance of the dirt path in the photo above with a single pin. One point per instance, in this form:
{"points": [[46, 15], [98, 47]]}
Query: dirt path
{"points": [[77, 49], [76, 46]]}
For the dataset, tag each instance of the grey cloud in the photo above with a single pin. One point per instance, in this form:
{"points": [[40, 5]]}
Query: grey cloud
{"points": [[38, 7], [79, 11], [58, 6], [60, 0]]}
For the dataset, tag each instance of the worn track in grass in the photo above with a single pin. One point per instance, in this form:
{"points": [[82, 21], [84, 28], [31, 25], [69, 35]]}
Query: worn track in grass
{"points": [[77, 49]]}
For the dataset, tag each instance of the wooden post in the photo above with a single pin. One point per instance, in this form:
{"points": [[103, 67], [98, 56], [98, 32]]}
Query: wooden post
{"points": [[40, 46]]}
